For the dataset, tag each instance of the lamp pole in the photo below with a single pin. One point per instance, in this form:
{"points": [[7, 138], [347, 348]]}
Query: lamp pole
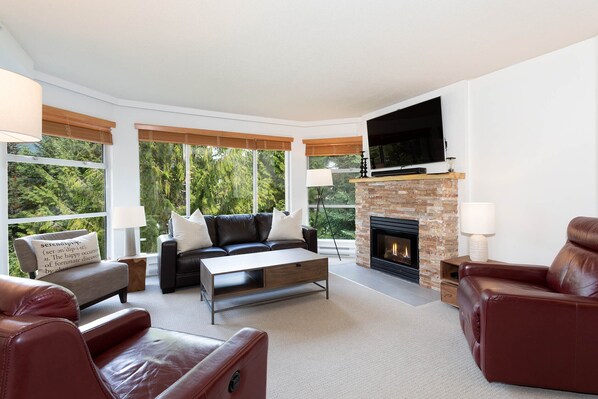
{"points": [[320, 199]]}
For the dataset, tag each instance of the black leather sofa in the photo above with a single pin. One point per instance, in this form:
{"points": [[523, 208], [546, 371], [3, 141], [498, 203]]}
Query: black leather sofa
{"points": [[230, 235]]}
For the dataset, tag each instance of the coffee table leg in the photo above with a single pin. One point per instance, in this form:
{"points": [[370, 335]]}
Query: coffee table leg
{"points": [[212, 311], [327, 288]]}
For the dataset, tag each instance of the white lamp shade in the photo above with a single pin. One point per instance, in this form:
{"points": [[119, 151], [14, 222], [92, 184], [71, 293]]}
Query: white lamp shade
{"points": [[319, 177], [128, 216], [20, 108], [477, 218]]}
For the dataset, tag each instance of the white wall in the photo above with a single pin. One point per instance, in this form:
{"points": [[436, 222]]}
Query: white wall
{"points": [[534, 149]]}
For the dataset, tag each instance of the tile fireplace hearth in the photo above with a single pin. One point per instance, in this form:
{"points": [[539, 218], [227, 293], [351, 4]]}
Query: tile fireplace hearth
{"points": [[431, 200]]}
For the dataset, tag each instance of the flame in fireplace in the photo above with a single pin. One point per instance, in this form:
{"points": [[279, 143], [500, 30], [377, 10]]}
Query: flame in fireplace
{"points": [[395, 249]]}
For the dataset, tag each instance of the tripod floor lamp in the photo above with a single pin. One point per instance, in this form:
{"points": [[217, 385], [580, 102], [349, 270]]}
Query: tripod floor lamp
{"points": [[320, 178]]}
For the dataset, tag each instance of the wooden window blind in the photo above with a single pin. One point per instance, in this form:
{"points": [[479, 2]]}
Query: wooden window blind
{"points": [[62, 123], [333, 146], [213, 138]]}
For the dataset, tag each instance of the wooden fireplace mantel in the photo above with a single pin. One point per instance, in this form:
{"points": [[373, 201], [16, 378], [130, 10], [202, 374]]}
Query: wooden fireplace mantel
{"points": [[431, 176]]}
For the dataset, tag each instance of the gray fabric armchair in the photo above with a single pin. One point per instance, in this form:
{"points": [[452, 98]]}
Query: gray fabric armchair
{"points": [[91, 283]]}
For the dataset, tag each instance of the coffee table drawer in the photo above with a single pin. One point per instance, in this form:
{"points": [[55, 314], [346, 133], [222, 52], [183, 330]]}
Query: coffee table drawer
{"points": [[295, 273]]}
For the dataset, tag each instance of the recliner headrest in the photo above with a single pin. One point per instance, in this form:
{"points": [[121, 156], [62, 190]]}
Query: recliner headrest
{"points": [[583, 231], [22, 296]]}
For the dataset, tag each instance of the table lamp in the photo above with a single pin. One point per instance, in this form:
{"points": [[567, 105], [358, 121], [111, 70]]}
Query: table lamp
{"points": [[320, 178], [478, 219], [128, 218]]}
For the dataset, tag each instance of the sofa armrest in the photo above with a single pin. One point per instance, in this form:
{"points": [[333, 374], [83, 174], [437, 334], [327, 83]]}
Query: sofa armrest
{"points": [[107, 331], [310, 235], [551, 333], [246, 352], [167, 252], [509, 271]]}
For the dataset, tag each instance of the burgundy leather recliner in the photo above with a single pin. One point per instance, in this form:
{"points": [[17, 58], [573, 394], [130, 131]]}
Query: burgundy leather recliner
{"points": [[44, 355], [537, 325]]}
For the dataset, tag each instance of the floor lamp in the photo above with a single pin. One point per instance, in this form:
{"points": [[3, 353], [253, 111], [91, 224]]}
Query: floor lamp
{"points": [[320, 178]]}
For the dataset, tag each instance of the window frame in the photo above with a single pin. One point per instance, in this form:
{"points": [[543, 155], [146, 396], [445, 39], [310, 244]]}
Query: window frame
{"points": [[333, 171], [255, 176], [27, 159]]}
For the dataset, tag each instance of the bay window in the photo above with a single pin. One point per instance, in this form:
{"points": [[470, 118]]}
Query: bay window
{"points": [[216, 172]]}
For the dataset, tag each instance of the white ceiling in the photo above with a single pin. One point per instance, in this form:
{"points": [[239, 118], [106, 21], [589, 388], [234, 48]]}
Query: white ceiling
{"points": [[301, 60]]}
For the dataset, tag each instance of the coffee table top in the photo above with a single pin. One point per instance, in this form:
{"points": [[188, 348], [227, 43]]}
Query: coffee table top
{"points": [[258, 260]]}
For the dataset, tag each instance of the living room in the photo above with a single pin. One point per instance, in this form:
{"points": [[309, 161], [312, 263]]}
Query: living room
{"points": [[522, 126]]}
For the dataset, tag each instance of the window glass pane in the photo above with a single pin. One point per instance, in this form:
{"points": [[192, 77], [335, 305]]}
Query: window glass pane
{"points": [[352, 161], [60, 148], [221, 180], [162, 177], [97, 225], [271, 175], [342, 221], [48, 190], [342, 193]]}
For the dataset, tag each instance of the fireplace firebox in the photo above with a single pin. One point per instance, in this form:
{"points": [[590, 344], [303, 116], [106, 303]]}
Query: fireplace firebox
{"points": [[394, 247]]}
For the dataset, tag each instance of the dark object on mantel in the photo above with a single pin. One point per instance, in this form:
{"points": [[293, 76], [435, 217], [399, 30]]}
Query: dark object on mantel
{"points": [[536, 325], [399, 172], [363, 168]]}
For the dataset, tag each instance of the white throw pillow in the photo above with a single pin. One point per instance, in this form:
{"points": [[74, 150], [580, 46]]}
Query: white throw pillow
{"points": [[286, 227], [190, 233], [56, 255]]}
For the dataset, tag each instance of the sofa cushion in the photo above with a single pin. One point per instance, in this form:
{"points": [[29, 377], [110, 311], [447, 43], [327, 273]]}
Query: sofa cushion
{"points": [[190, 261], [263, 221], [286, 227], [286, 244], [234, 229], [211, 223], [191, 233], [245, 248]]}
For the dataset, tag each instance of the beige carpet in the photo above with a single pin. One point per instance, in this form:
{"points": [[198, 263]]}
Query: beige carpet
{"points": [[359, 344]]}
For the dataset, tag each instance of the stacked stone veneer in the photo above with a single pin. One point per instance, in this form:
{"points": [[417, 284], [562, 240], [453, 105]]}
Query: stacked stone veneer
{"points": [[433, 202]]}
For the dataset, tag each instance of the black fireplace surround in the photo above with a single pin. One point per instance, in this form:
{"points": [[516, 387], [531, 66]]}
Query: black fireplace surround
{"points": [[395, 247]]}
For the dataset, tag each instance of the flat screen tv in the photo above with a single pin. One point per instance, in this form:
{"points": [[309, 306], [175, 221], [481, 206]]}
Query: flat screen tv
{"points": [[408, 136]]}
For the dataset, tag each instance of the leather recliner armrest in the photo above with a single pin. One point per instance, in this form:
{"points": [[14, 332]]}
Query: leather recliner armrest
{"points": [[243, 358], [167, 252], [551, 333], [509, 271], [108, 331], [310, 235]]}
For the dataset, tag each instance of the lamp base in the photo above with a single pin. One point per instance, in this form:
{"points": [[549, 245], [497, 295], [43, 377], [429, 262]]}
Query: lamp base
{"points": [[478, 248], [130, 244]]}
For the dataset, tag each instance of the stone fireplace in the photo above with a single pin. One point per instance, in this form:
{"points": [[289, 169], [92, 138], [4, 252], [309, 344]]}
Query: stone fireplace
{"points": [[429, 200]]}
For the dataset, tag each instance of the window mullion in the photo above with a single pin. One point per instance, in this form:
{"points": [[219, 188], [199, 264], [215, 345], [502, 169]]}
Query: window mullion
{"points": [[187, 152], [255, 177]]}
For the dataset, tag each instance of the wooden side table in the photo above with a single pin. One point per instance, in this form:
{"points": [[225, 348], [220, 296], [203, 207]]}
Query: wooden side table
{"points": [[449, 278], [137, 265]]}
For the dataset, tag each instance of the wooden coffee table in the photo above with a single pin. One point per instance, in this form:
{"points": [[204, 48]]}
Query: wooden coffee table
{"points": [[237, 275]]}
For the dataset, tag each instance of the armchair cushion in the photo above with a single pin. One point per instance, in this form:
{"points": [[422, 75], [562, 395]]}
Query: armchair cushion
{"points": [[56, 255], [93, 280]]}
